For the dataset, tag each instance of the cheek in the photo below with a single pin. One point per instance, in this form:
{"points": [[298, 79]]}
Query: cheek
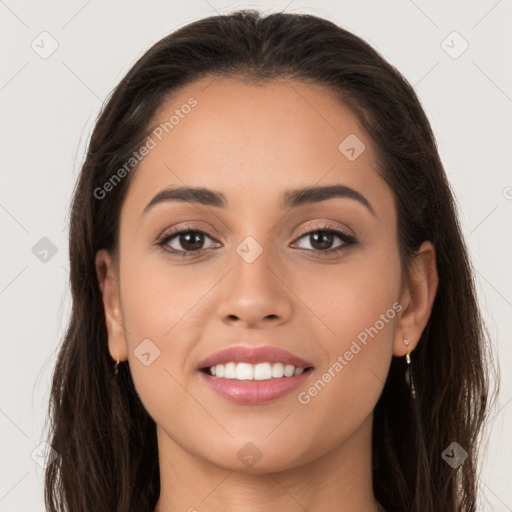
{"points": [[350, 298], [160, 311], [359, 308], [159, 301]]}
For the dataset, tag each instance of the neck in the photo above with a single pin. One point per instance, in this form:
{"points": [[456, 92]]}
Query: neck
{"points": [[340, 480]]}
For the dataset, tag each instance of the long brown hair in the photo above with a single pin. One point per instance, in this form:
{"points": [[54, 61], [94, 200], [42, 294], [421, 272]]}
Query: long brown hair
{"points": [[106, 441]]}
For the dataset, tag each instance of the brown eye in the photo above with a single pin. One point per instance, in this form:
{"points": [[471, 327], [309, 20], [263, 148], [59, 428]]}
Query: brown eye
{"points": [[191, 241], [321, 240], [184, 242]]}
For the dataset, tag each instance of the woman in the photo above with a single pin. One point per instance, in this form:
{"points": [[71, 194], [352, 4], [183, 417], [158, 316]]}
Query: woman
{"points": [[273, 307]]}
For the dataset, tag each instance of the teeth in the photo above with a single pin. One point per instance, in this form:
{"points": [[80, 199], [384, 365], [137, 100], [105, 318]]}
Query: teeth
{"points": [[243, 371], [230, 371], [261, 371], [277, 370]]}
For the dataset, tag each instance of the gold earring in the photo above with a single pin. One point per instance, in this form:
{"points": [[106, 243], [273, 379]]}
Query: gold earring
{"points": [[408, 375], [115, 367], [407, 342]]}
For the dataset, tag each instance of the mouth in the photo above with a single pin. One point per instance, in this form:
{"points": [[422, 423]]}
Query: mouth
{"points": [[253, 376]]}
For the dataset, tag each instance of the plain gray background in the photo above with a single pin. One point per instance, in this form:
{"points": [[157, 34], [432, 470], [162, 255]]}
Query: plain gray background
{"points": [[49, 104]]}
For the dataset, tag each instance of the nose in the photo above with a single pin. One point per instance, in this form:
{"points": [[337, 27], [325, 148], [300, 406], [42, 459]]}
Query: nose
{"points": [[255, 294]]}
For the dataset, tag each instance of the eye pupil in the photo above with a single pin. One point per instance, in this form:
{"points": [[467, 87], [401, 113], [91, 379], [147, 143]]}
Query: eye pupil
{"points": [[322, 238], [191, 241]]}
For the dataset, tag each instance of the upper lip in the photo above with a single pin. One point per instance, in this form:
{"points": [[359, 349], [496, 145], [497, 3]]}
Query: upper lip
{"points": [[253, 355]]}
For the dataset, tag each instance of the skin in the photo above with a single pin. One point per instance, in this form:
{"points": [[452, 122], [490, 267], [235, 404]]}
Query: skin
{"points": [[252, 143]]}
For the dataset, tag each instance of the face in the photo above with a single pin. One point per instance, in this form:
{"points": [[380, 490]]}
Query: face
{"points": [[258, 266]]}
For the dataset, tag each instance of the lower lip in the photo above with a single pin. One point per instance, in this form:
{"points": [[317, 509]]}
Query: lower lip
{"points": [[254, 392]]}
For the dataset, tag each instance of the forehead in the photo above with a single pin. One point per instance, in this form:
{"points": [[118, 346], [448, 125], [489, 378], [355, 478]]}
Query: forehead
{"points": [[254, 141]]}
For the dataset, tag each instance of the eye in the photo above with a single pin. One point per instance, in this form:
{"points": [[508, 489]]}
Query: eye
{"points": [[184, 241], [321, 239], [187, 240]]}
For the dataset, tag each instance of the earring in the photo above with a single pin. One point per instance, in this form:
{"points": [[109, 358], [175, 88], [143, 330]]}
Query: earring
{"points": [[407, 342], [115, 368], [408, 375]]}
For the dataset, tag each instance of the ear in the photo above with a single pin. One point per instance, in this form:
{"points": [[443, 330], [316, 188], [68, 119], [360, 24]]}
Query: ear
{"points": [[417, 299], [108, 279]]}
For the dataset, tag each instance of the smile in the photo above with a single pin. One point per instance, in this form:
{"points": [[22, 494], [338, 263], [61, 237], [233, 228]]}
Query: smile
{"points": [[248, 371]]}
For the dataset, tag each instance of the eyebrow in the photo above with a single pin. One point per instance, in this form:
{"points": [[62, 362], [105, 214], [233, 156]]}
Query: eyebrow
{"points": [[290, 198]]}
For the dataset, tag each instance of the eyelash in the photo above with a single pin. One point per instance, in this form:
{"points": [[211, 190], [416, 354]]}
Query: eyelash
{"points": [[347, 239]]}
